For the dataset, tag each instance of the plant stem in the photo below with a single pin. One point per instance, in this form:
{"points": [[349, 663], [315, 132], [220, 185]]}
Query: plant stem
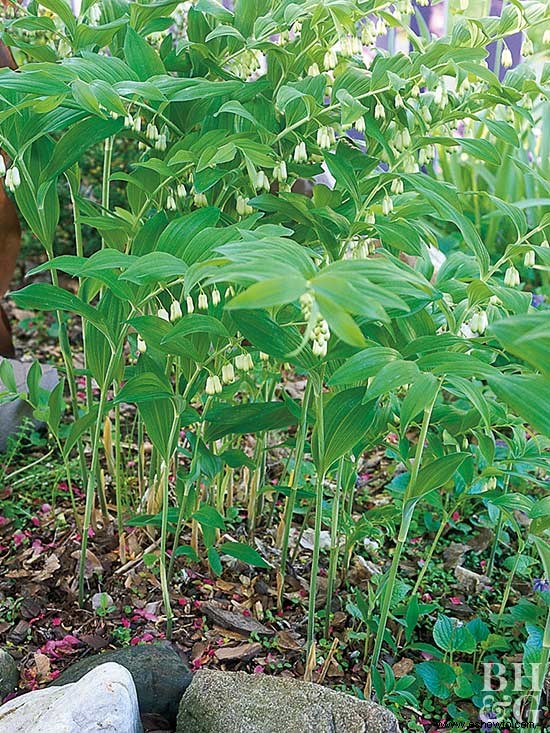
{"points": [[508, 587], [402, 538], [334, 539], [318, 516], [294, 483], [165, 470], [90, 486]]}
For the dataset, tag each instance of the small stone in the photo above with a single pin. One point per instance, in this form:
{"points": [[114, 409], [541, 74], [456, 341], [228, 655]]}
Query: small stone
{"points": [[233, 702], [9, 674], [103, 701], [159, 675]]}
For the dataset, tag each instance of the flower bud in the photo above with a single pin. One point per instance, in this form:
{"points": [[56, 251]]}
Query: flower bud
{"points": [[190, 304], [171, 203], [313, 70], [529, 259], [506, 59], [200, 200], [511, 277], [2, 166], [216, 297], [387, 205], [12, 179], [210, 388], [264, 356], [163, 313], [181, 191], [330, 60], [202, 301], [137, 124], [379, 111], [175, 311], [141, 345], [360, 125], [300, 153], [228, 373]]}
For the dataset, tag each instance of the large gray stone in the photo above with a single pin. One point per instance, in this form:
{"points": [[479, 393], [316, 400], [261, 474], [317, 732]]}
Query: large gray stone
{"points": [[159, 675], [236, 702], [103, 701], [13, 414], [9, 674]]}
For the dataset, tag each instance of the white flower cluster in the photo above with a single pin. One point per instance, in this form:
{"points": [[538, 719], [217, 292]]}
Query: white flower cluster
{"points": [[300, 153], [244, 362], [326, 137], [478, 323], [12, 178], [511, 277], [280, 172], [350, 46], [248, 64], [242, 206], [359, 248], [320, 333]]}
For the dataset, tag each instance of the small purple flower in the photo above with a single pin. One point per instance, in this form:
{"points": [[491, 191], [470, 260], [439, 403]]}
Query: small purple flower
{"points": [[542, 585], [537, 300], [489, 718]]}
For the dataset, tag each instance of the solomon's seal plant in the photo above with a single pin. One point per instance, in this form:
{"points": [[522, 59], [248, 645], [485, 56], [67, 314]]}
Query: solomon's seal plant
{"points": [[285, 195]]}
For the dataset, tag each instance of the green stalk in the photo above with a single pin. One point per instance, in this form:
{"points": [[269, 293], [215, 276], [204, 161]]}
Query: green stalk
{"points": [[498, 530], [107, 158], [402, 538], [118, 472], [318, 518], [508, 587], [90, 486], [428, 558], [164, 532], [291, 499], [334, 538]]}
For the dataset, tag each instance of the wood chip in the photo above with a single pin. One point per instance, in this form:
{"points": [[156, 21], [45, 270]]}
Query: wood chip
{"points": [[234, 621], [241, 653]]}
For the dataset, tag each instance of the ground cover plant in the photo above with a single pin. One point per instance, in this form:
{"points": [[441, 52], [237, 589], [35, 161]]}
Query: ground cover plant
{"points": [[261, 321]]}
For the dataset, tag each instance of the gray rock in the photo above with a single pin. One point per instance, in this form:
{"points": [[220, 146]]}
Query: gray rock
{"points": [[13, 414], [159, 675], [9, 674], [103, 701], [236, 702]]}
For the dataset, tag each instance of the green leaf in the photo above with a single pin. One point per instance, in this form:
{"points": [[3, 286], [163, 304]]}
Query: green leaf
{"points": [[249, 418], [346, 421], [275, 291], [155, 267], [437, 473], [214, 561], [145, 387], [392, 376], [363, 365], [80, 137], [420, 395], [243, 552], [141, 57], [46, 297], [209, 517], [527, 337], [527, 396], [195, 323], [438, 677]]}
